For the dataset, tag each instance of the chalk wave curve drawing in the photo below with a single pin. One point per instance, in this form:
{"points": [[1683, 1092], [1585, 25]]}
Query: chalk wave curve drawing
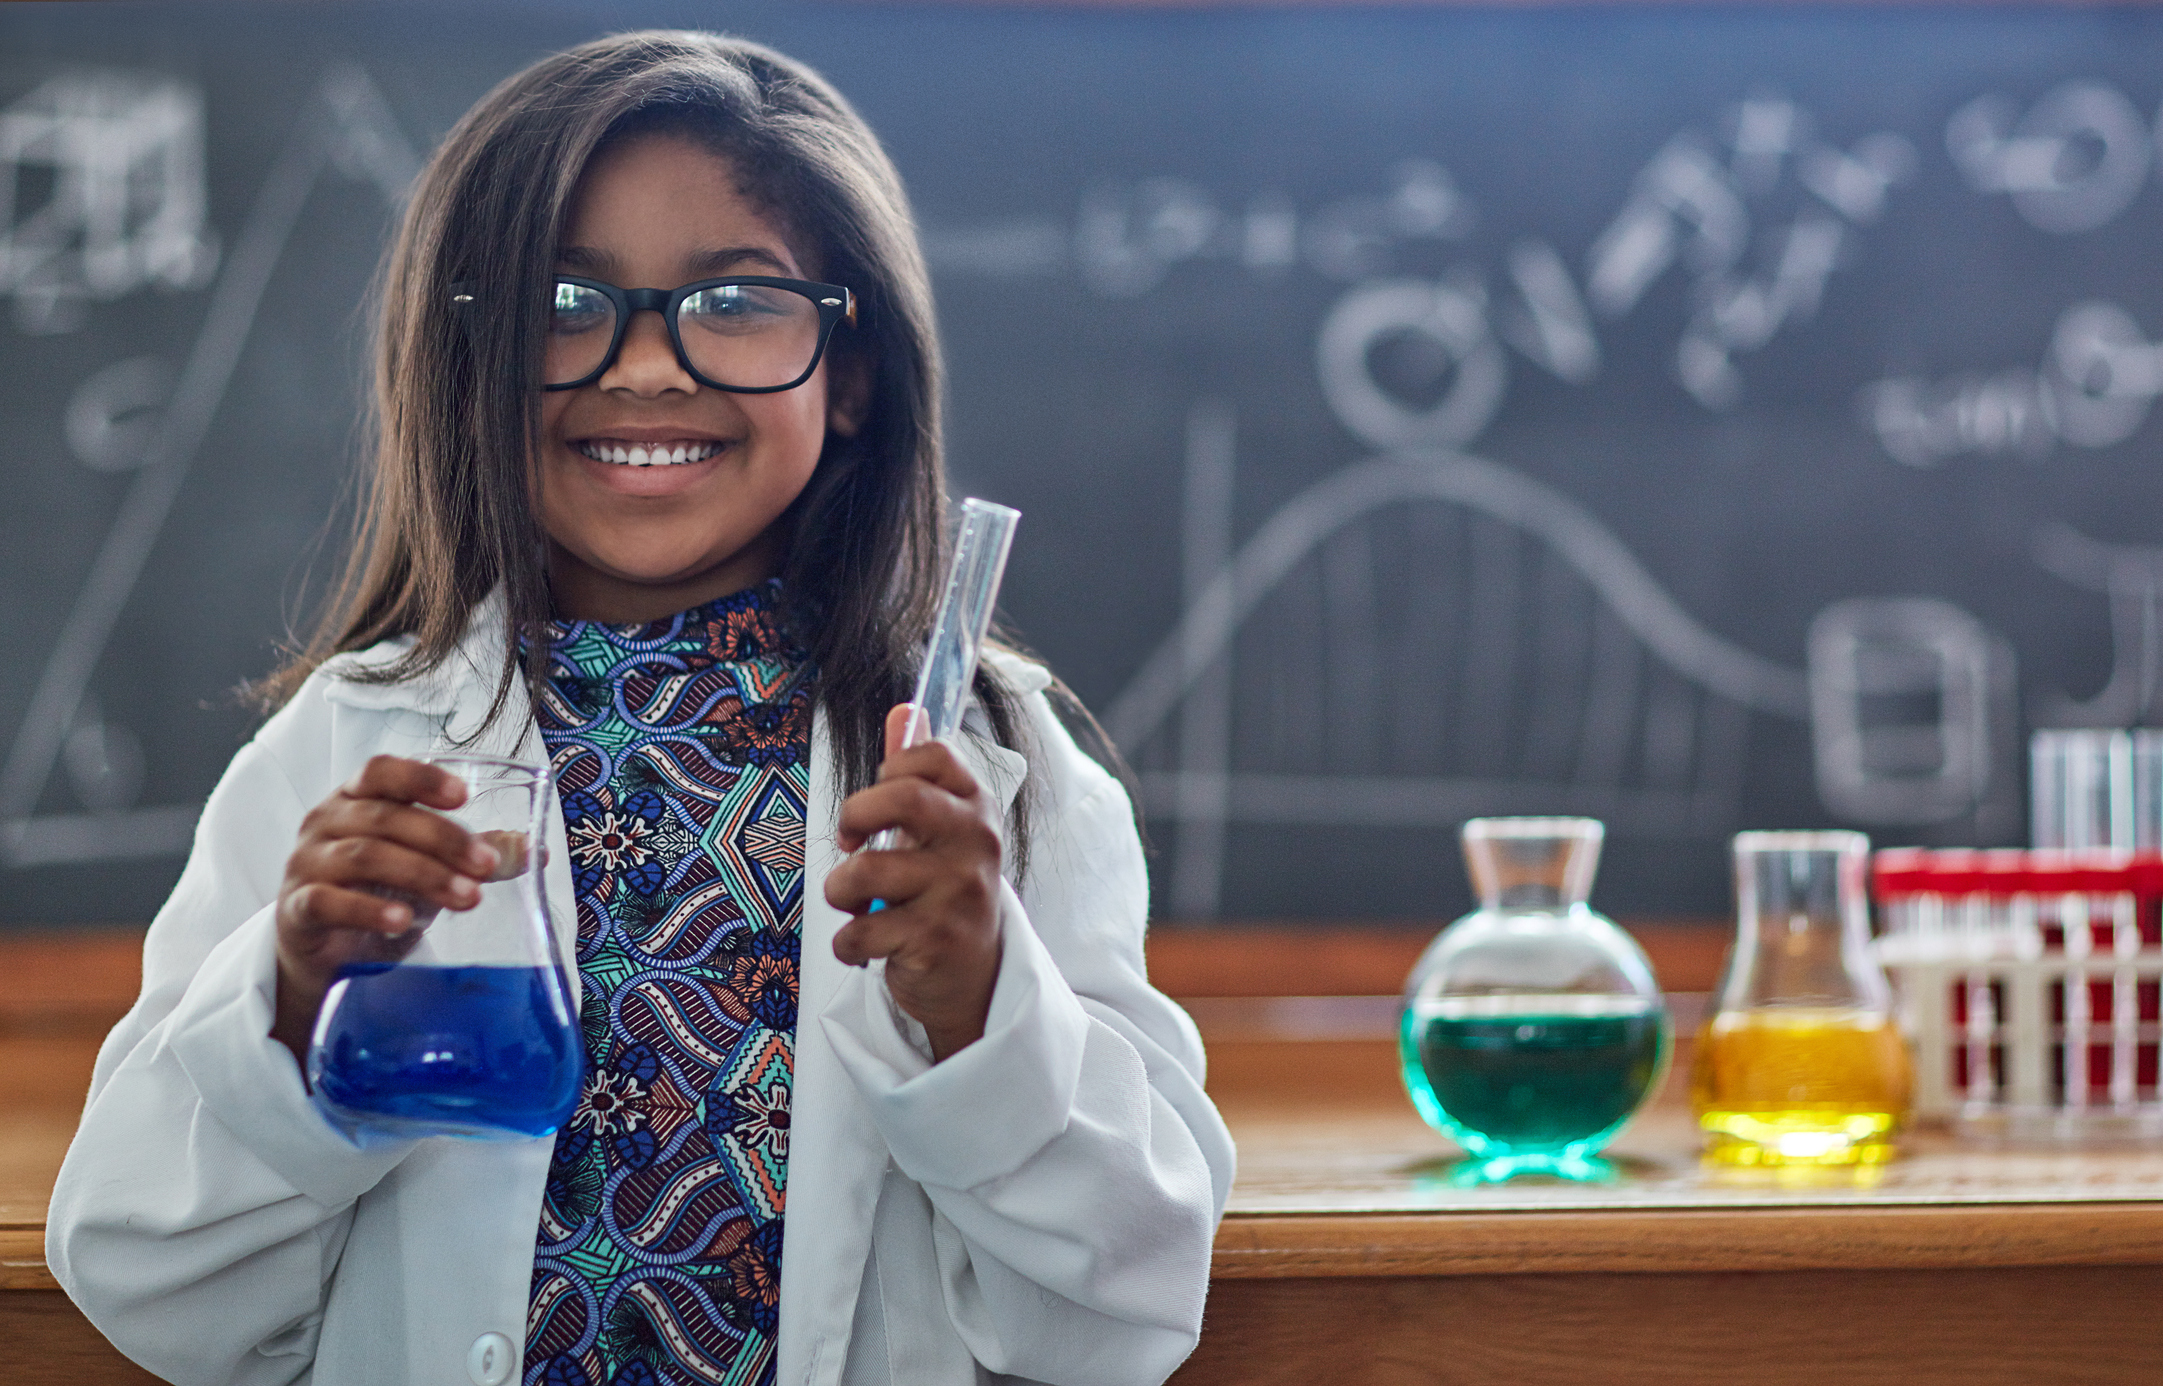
{"points": [[346, 125], [1427, 635]]}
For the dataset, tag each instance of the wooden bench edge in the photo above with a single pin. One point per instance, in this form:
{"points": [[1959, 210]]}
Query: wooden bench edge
{"points": [[1617, 1241]]}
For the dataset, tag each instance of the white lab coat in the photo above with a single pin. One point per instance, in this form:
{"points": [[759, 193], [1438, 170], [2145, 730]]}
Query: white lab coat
{"points": [[1039, 1206]]}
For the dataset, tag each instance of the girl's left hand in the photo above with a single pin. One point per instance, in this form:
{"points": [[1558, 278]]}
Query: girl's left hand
{"points": [[939, 932]]}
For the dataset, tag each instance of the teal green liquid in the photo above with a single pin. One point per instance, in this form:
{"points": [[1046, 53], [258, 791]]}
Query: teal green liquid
{"points": [[1538, 1081]]}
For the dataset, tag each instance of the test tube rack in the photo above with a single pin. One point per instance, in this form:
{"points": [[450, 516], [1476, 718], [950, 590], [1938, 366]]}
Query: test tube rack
{"points": [[2031, 985]]}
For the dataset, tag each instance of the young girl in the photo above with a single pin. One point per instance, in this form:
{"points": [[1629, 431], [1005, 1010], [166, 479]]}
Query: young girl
{"points": [[658, 498]]}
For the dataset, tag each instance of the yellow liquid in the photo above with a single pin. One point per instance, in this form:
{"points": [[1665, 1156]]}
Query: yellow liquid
{"points": [[1800, 1087]]}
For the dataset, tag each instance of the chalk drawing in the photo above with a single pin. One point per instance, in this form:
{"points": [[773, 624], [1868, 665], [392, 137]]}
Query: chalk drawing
{"points": [[2099, 379], [118, 159], [1911, 703], [347, 126], [2131, 576], [1512, 656], [2072, 163]]}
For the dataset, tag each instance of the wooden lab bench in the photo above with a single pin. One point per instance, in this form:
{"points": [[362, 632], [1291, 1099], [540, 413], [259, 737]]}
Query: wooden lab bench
{"points": [[1348, 1256]]}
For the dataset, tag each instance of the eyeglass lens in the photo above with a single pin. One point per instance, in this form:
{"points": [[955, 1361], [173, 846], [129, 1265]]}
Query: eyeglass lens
{"points": [[749, 336]]}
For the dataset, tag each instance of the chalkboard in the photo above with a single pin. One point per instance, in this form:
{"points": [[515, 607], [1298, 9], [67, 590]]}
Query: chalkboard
{"points": [[1704, 419]]}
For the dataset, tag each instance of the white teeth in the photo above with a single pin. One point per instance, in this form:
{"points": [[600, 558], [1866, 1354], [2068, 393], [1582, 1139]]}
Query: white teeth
{"points": [[645, 456]]}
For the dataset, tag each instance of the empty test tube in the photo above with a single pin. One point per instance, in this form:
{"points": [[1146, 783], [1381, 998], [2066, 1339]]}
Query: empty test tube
{"points": [[957, 633]]}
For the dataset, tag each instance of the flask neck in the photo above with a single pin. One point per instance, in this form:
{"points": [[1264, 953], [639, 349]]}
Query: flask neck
{"points": [[1530, 897], [1803, 930], [1525, 865]]}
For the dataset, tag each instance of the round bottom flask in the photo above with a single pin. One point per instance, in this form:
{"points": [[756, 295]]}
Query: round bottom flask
{"points": [[1532, 1028]]}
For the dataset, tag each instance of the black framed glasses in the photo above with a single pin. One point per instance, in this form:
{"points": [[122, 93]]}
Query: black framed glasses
{"points": [[747, 333]]}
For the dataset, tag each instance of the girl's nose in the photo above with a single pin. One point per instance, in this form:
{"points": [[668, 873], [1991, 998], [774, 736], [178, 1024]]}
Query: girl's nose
{"points": [[646, 364]]}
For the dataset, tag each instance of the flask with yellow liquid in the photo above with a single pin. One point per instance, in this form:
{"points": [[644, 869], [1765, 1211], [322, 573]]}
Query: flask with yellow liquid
{"points": [[1802, 1062]]}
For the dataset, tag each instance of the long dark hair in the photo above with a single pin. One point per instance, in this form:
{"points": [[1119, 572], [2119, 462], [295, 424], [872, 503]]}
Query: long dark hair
{"points": [[450, 514]]}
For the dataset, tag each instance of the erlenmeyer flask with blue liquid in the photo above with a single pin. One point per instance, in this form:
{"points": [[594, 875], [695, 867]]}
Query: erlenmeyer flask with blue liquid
{"points": [[1532, 1028], [467, 1026]]}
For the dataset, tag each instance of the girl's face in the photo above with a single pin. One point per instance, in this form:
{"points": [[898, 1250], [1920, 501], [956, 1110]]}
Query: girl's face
{"points": [[639, 543]]}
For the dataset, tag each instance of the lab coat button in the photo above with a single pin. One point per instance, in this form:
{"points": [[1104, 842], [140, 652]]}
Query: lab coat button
{"points": [[491, 1360]]}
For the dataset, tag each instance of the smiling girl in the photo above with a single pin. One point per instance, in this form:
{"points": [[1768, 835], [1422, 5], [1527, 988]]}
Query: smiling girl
{"points": [[658, 499]]}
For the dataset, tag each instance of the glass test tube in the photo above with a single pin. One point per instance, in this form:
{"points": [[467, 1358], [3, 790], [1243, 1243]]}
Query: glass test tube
{"points": [[957, 633]]}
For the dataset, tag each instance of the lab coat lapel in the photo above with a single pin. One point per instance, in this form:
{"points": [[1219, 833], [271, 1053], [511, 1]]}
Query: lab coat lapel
{"points": [[462, 1196], [836, 1157]]}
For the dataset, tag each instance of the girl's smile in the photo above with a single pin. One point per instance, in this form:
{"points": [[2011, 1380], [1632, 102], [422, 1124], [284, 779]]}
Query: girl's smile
{"points": [[642, 464], [666, 450], [659, 493]]}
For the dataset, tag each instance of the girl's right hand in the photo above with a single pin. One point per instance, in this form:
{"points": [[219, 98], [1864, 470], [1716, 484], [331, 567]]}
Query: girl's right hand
{"points": [[363, 853]]}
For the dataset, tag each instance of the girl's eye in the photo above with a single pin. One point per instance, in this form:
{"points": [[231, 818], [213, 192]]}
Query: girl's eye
{"points": [[738, 308], [579, 309]]}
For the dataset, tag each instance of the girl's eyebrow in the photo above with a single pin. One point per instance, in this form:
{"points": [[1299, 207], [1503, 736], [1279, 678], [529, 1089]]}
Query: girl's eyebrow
{"points": [[578, 257], [722, 261], [705, 264]]}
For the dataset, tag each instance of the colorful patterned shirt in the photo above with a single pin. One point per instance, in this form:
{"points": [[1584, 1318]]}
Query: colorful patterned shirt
{"points": [[681, 753]]}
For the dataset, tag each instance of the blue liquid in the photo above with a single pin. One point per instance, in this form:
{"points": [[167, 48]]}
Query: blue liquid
{"points": [[460, 1051]]}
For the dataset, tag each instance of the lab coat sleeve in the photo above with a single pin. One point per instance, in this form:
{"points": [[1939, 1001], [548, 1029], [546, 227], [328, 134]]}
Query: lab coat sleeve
{"points": [[204, 1202], [1074, 1164]]}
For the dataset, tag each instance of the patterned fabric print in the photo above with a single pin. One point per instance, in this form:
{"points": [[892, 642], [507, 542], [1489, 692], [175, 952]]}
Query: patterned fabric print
{"points": [[681, 752]]}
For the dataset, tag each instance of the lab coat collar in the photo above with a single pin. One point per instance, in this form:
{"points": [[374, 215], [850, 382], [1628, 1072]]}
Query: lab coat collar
{"points": [[461, 687]]}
